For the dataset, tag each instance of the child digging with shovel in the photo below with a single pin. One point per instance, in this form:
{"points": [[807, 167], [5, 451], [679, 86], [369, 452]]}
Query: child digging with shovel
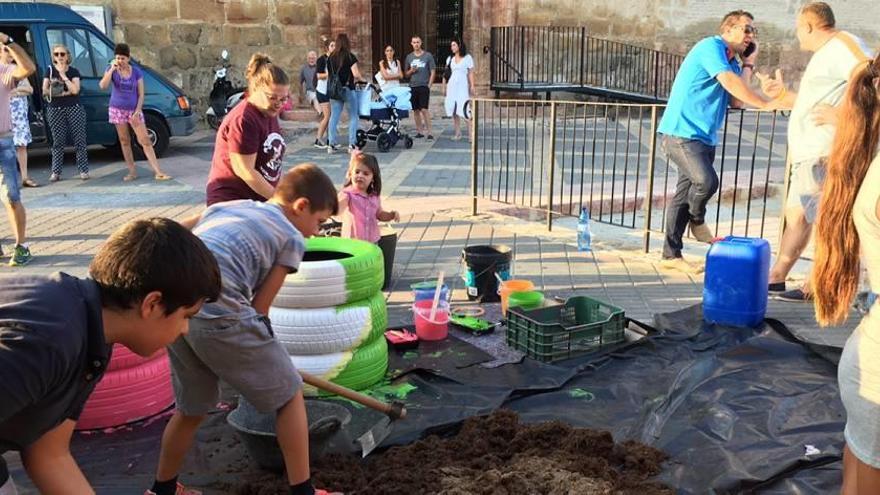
{"points": [[256, 245]]}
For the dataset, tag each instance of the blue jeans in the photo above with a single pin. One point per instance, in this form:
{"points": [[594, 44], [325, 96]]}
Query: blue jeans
{"points": [[697, 183], [10, 187], [349, 100]]}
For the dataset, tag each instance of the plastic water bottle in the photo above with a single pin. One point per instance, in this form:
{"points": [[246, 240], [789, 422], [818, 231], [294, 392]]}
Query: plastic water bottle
{"points": [[583, 230]]}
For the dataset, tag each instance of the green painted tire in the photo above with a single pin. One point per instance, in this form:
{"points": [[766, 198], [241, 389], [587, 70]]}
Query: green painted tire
{"points": [[334, 271], [357, 370], [329, 330]]}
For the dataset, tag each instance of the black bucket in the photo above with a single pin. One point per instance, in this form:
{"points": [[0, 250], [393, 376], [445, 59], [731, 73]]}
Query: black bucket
{"points": [[483, 262], [388, 244], [327, 424]]}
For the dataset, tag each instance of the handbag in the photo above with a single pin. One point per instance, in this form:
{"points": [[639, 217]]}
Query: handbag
{"points": [[335, 89], [57, 87], [447, 72]]}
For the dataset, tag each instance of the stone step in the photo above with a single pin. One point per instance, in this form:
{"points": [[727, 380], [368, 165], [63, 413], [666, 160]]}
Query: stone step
{"points": [[301, 115]]}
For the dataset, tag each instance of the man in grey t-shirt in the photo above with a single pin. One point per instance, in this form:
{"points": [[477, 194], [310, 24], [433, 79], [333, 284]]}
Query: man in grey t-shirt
{"points": [[308, 78], [419, 68]]}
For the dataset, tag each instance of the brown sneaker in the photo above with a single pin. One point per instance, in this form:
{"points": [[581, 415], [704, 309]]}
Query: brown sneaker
{"points": [[682, 265], [701, 232]]}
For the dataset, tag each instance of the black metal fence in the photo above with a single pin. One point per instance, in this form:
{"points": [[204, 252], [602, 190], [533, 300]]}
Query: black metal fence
{"points": [[538, 58], [561, 156]]}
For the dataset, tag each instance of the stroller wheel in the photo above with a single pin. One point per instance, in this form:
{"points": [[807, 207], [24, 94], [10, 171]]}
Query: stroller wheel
{"points": [[407, 142], [384, 142]]}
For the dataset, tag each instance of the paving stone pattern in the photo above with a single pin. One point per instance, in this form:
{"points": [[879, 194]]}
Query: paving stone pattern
{"points": [[69, 220]]}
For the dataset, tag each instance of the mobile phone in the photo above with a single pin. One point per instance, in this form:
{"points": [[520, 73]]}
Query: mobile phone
{"points": [[750, 49]]}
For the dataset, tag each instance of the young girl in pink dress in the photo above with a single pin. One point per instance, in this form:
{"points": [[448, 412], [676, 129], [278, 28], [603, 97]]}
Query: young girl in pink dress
{"points": [[359, 203]]}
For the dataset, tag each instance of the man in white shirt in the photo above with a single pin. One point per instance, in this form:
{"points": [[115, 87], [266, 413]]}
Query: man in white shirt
{"points": [[810, 129]]}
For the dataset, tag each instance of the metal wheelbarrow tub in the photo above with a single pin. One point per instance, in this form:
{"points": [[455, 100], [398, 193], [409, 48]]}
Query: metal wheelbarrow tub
{"points": [[257, 431]]}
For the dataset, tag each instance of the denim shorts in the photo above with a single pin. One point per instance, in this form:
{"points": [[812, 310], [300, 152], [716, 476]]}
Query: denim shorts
{"points": [[10, 180], [805, 186], [242, 353]]}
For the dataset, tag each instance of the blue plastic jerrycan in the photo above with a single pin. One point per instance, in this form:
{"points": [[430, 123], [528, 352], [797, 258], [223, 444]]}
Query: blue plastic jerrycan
{"points": [[735, 286]]}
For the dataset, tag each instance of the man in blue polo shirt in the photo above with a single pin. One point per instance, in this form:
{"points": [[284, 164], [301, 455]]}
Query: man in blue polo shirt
{"points": [[56, 332], [709, 81]]}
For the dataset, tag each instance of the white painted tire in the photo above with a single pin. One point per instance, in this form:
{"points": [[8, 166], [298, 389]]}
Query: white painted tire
{"points": [[329, 330], [357, 273], [357, 370]]}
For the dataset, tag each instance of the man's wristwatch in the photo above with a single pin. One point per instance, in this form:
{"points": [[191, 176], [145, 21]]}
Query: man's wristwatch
{"points": [[749, 66]]}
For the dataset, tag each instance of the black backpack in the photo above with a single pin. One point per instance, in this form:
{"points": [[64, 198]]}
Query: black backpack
{"points": [[335, 88]]}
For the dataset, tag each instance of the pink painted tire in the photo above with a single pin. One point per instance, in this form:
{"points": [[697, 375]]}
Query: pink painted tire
{"points": [[128, 395], [123, 358]]}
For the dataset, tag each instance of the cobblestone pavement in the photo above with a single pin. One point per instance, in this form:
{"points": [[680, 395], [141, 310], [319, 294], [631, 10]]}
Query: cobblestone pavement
{"points": [[429, 184]]}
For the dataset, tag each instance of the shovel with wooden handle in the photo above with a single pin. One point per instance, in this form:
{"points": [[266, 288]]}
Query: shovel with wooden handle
{"points": [[374, 436]]}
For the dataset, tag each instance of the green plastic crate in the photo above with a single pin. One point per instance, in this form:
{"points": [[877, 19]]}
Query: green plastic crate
{"points": [[562, 331]]}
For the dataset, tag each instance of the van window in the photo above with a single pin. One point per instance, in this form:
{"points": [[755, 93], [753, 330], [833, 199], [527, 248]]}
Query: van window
{"points": [[102, 54], [87, 53]]}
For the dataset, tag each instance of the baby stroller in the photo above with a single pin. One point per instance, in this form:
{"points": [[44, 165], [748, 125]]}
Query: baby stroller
{"points": [[385, 113]]}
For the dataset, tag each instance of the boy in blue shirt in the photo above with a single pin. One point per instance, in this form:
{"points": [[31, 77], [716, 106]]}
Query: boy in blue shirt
{"points": [[56, 334], [709, 81], [256, 245]]}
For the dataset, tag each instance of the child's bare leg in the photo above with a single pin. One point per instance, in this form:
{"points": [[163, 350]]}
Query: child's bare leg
{"points": [[292, 428], [176, 441]]}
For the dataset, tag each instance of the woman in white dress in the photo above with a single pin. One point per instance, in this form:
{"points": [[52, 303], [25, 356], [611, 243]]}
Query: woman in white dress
{"points": [[389, 70], [460, 86], [848, 226]]}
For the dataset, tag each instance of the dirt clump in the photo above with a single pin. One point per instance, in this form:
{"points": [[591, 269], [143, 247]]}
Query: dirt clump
{"points": [[497, 455]]}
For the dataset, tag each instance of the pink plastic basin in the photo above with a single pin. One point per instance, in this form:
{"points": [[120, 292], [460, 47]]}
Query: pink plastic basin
{"points": [[426, 328]]}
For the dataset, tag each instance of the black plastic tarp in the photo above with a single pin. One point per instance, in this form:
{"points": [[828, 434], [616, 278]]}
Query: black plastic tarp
{"points": [[737, 410]]}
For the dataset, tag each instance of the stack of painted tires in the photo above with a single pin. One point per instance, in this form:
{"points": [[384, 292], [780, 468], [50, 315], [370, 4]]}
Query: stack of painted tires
{"points": [[132, 388], [330, 315]]}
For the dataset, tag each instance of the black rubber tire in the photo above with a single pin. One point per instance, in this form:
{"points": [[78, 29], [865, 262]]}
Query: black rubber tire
{"points": [[158, 132], [213, 121], [407, 142], [384, 142]]}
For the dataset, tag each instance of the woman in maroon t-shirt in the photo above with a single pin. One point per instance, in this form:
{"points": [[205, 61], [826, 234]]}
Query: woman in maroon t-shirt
{"points": [[249, 150]]}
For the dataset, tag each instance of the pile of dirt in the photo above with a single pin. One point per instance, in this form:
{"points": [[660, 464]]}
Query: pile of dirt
{"points": [[493, 455]]}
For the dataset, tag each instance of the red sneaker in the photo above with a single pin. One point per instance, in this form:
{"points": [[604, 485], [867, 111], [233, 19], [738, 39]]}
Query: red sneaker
{"points": [[181, 490]]}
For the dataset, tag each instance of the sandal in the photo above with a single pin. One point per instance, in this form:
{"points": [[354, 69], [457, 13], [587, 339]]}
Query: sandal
{"points": [[129, 177], [28, 182], [162, 176]]}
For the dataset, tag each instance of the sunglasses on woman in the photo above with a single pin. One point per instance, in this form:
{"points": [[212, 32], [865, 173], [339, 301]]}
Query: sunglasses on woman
{"points": [[60, 54]]}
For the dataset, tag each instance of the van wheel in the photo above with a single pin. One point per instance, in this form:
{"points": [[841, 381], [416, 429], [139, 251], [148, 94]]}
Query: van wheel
{"points": [[158, 133]]}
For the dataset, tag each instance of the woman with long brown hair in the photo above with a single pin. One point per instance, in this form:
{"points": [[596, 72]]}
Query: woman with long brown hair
{"points": [[848, 226], [343, 64]]}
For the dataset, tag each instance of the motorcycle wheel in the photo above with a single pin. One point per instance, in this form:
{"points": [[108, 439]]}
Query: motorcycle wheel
{"points": [[213, 121]]}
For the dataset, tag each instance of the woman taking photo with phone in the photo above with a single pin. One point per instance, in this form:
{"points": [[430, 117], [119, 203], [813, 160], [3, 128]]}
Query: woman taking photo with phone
{"points": [[67, 117], [126, 84]]}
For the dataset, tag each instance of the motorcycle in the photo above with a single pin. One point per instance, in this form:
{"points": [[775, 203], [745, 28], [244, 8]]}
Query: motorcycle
{"points": [[223, 95]]}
